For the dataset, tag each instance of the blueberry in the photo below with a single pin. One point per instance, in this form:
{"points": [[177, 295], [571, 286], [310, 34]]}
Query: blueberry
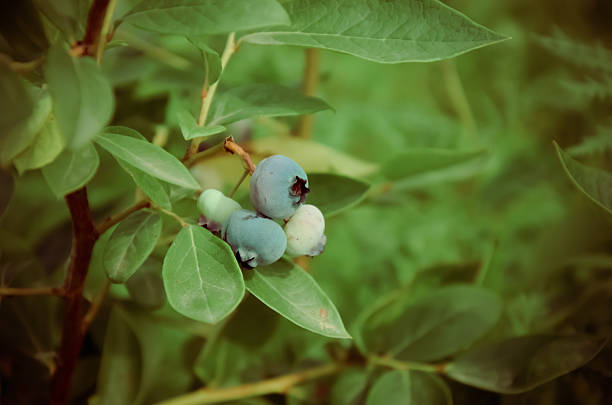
{"points": [[216, 208], [304, 232], [278, 187], [255, 240]]}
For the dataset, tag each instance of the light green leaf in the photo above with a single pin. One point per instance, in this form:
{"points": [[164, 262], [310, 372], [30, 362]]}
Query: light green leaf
{"points": [[152, 187], [202, 17], [47, 145], [201, 276], [71, 170], [83, 100], [262, 100], [391, 31], [212, 60], [130, 244], [409, 388], [521, 364], [16, 138], [294, 294], [333, 194], [191, 130], [432, 327], [595, 183], [151, 159]]}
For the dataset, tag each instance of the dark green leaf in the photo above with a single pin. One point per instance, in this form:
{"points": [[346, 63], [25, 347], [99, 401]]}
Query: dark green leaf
{"points": [[211, 58], [15, 103], [349, 388], [130, 244], [152, 159], [202, 17], [410, 388], [146, 287], [7, 185], [381, 31], [47, 145], [521, 364], [191, 130], [262, 100], [71, 170], [333, 193], [152, 187], [83, 100], [294, 294], [201, 276], [432, 327], [595, 183], [69, 16]]}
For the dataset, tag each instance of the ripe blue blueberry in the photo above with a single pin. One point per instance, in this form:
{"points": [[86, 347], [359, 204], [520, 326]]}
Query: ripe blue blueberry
{"points": [[216, 208], [255, 240], [304, 232], [278, 187]]}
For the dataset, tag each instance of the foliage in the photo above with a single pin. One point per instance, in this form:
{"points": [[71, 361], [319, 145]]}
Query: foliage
{"points": [[467, 201]]}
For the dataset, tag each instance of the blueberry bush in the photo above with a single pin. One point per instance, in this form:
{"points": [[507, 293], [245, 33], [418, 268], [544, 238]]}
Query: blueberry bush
{"points": [[279, 202]]}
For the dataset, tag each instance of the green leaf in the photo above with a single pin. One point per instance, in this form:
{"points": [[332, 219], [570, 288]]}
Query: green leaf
{"points": [[432, 327], [293, 293], [409, 387], [130, 244], [15, 104], [350, 387], [151, 159], [262, 100], [69, 16], [202, 17], [7, 185], [521, 364], [333, 194], [423, 166], [391, 31], [212, 60], [201, 276], [153, 188], [595, 183], [21, 135], [83, 100], [191, 130], [47, 145], [146, 287], [71, 170]]}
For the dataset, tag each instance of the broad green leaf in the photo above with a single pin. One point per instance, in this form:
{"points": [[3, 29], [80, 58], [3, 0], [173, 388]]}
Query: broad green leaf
{"points": [[201, 276], [595, 183], [293, 293], [349, 388], [432, 327], [15, 103], [121, 130], [47, 145], [151, 159], [332, 193], [83, 100], [71, 170], [69, 16], [146, 287], [130, 244], [391, 31], [410, 388], [18, 137], [262, 100], [7, 185], [521, 364], [202, 17], [152, 187], [191, 130]]}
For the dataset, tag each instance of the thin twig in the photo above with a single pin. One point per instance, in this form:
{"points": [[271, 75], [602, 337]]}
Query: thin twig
{"points": [[278, 385], [311, 82], [209, 92], [232, 147], [170, 214], [109, 222], [96, 304], [103, 37], [237, 186], [14, 292], [406, 365]]}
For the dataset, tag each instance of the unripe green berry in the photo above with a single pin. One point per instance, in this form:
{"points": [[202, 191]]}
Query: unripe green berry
{"points": [[216, 207]]}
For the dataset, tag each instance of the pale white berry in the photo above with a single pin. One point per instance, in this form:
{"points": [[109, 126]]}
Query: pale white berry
{"points": [[304, 232]]}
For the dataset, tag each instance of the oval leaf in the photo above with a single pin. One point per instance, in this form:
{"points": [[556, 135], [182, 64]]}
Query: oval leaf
{"points": [[294, 294], [151, 159], [201, 276], [391, 31], [153, 188], [595, 183], [333, 193], [262, 100], [432, 327], [201, 17], [71, 170], [47, 145], [521, 364], [83, 99], [409, 387], [130, 244]]}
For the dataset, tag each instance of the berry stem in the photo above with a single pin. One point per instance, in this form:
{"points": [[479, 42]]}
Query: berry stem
{"points": [[233, 148], [244, 174], [311, 82]]}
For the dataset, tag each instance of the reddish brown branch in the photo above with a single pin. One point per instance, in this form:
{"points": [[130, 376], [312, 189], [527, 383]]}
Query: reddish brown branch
{"points": [[84, 237], [95, 22], [233, 147], [14, 292]]}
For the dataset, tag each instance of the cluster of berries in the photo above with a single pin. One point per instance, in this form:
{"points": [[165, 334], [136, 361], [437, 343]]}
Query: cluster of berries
{"points": [[278, 191]]}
